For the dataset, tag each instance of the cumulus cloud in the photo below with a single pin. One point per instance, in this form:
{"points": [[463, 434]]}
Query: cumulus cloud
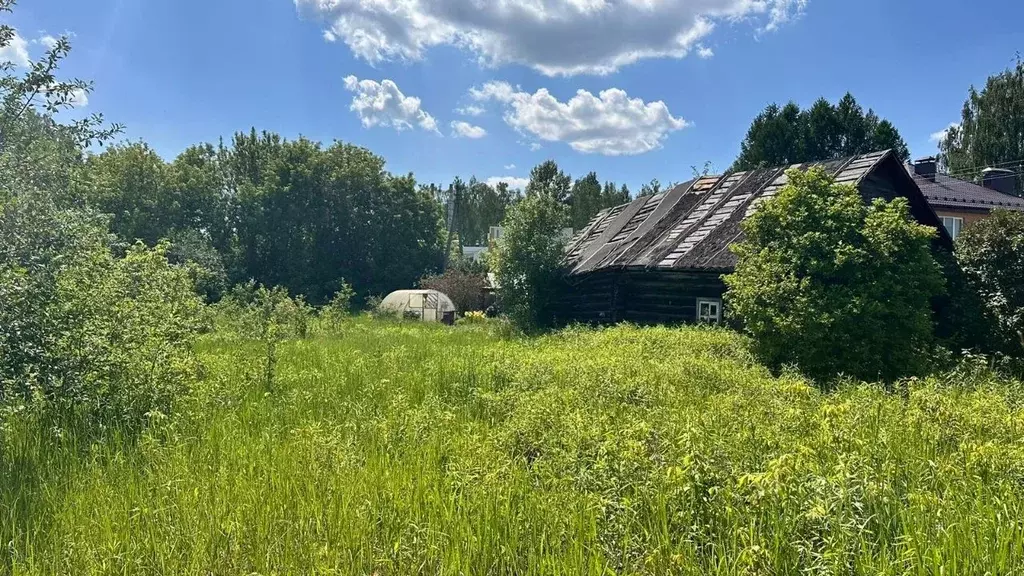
{"points": [[462, 129], [16, 52], [705, 52], [510, 167], [610, 123], [383, 104], [47, 41], [470, 110], [513, 182], [941, 134], [555, 37]]}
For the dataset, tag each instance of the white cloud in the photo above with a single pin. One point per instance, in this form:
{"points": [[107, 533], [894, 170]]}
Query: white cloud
{"points": [[705, 52], [941, 134], [47, 41], [510, 167], [513, 182], [462, 129], [470, 110], [782, 11], [555, 37], [534, 146], [79, 98], [16, 52], [611, 123], [383, 104], [329, 36]]}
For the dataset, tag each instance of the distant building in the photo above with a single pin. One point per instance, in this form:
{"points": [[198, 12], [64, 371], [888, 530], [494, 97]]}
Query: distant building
{"points": [[660, 259], [960, 203], [494, 234]]}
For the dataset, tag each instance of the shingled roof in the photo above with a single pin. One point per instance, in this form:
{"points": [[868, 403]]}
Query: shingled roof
{"points": [[953, 193], [691, 226]]}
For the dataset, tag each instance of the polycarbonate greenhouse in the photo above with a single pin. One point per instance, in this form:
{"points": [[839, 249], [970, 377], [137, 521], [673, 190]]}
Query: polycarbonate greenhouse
{"points": [[427, 305]]}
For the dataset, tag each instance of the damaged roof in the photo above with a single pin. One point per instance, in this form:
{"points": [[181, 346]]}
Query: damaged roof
{"points": [[691, 226]]}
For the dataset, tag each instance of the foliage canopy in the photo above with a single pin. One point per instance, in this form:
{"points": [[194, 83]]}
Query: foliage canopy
{"points": [[991, 129], [991, 253], [835, 286], [528, 267], [784, 135]]}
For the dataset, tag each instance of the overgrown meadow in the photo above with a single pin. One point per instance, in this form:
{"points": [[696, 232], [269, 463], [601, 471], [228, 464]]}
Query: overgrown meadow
{"points": [[400, 448]]}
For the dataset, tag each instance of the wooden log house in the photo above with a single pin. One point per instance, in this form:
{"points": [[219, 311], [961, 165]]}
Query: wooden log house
{"points": [[660, 259]]}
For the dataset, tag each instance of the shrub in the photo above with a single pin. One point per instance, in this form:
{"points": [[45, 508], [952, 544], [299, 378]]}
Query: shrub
{"points": [[835, 286], [464, 288], [991, 253], [340, 305], [83, 333], [528, 259], [251, 310]]}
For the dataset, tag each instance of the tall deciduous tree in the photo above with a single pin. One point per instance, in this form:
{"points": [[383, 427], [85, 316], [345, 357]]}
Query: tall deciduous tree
{"points": [[310, 217], [36, 151], [547, 180], [991, 129], [833, 285], [129, 182], [585, 200], [528, 261], [788, 135]]}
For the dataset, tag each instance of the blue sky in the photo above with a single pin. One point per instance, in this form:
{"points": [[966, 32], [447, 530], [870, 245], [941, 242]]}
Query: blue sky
{"points": [[668, 84]]}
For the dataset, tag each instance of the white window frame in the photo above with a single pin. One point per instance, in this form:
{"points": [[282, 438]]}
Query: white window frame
{"points": [[716, 303], [953, 224]]}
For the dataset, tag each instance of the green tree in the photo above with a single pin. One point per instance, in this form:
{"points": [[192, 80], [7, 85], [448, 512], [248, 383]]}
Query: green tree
{"points": [[585, 200], [835, 286], [309, 217], [130, 183], [527, 264], [83, 333], [612, 195], [991, 253], [36, 151], [788, 135], [199, 196], [547, 180], [652, 188], [991, 129]]}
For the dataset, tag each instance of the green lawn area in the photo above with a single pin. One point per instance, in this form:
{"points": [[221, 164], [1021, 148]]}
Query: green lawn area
{"points": [[398, 448]]}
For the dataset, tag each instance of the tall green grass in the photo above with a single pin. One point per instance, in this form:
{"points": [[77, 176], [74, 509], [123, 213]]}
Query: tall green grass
{"points": [[392, 448]]}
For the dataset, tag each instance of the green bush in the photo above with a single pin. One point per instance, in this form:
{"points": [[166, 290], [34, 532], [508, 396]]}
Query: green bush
{"points": [[465, 288], [339, 307], [253, 311], [85, 333], [991, 253], [835, 286]]}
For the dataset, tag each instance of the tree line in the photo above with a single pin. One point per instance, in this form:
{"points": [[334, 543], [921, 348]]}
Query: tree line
{"points": [[297, 214]]}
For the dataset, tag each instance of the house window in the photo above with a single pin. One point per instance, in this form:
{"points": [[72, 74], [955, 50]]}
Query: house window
{"points": [[709, 310], [953, 225]]}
